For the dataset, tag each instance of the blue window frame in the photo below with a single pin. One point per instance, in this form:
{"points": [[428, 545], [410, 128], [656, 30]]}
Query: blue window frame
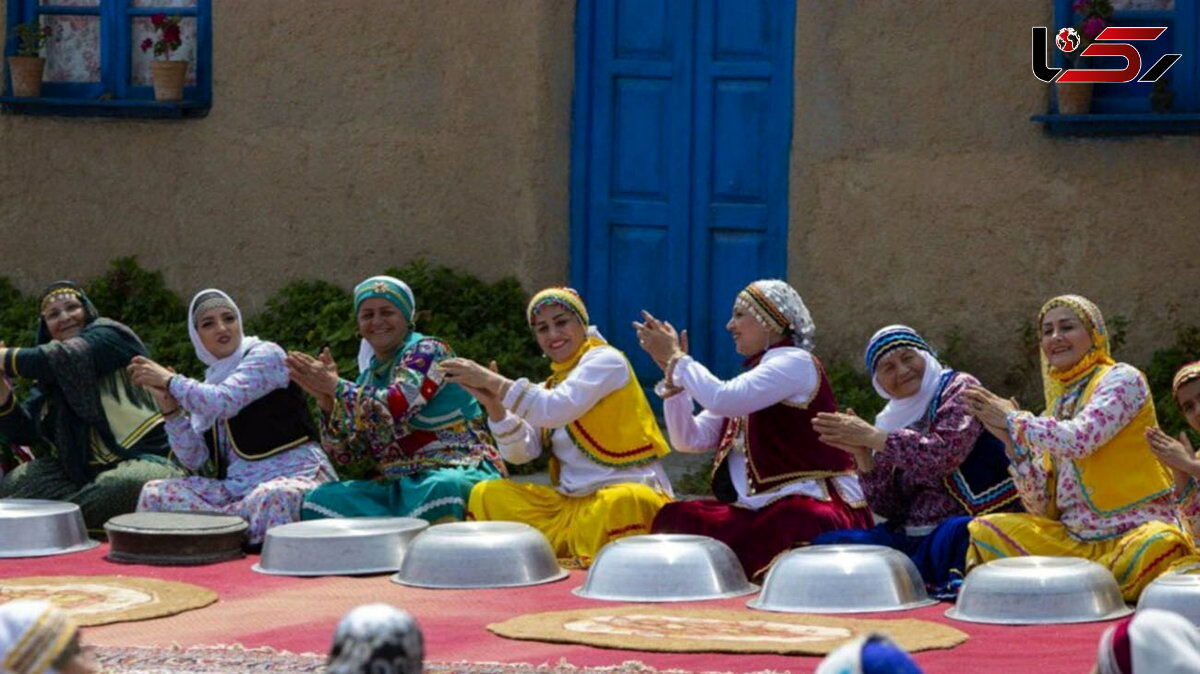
{"points": [[1126, 108], [115, 88]]}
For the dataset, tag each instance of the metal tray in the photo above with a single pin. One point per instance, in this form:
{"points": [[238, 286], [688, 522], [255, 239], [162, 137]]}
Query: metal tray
{"points": [[39, 528], [338, 547]]}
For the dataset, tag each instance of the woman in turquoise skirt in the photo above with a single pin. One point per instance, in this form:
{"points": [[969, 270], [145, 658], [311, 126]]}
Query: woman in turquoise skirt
{"points": [[427, 439]]}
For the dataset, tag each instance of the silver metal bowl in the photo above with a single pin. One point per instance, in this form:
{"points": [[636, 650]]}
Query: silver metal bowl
{"points": [[665, 567], [479, 554], [1039, 591], [842, 579], [37, 528], [338, 547], [1175, 592]]}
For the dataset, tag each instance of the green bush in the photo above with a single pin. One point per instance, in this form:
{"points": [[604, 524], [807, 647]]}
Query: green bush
{"points": [[308, 316]]}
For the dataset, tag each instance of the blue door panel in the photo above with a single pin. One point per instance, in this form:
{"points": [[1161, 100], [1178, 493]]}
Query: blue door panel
{"points": [[682, 125]]}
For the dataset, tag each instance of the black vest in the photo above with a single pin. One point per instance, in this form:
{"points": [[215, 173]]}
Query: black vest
{"points": [[272, 424]]}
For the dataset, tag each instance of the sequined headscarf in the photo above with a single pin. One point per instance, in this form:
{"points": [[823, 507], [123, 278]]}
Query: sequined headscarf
{"points": [[777, 306]]}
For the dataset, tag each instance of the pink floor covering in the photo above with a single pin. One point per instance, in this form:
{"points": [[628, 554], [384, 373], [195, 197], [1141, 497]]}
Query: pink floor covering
{"points": [[299, 614]]}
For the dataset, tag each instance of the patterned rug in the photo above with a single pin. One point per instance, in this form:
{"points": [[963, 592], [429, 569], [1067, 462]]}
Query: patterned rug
{"points": [[100, 600], [225, 659], [655, 628]]}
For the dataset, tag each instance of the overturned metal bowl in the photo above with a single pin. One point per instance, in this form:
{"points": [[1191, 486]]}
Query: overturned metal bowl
{"points": [[1039, 591], [38, 528], [1175, 592], [842, 579], [338, 547], [665, 567], [478, 555]]}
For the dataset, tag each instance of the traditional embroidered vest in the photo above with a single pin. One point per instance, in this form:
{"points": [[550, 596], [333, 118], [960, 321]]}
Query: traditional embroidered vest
{"points": [[781, 445], [1122, 473], [982, 482], [619, 431], [274, 423]]}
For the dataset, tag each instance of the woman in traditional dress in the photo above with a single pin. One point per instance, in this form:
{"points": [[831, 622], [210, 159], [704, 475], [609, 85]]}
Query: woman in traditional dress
{"points": [[592, 416], [926, 464], [103, 432], [776, 484], [1179, 455], [425, 436], [1087, 477], [246, 417]]}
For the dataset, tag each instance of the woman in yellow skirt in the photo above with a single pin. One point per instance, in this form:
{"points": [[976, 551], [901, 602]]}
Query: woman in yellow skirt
{"points": [[592, 416], [1085, 470]]}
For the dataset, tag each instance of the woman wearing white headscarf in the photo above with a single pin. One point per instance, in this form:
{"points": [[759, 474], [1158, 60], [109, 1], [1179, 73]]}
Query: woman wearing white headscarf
{"points": [[926, 464], [38, 638], [1149, 642], [776, 484], [244, 417]]}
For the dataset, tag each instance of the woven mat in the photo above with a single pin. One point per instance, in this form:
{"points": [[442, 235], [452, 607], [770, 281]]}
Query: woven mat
{"points": [[657, 628], [223, 659], [100, 600]]}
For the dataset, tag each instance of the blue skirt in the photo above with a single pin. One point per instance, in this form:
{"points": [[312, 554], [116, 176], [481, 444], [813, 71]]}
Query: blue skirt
{"points": [[940, 556]]}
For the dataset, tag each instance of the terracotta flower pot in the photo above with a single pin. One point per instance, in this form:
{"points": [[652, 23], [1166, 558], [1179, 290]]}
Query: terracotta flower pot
{"points": [[26, 73], [168, 79], [1074, 98]]}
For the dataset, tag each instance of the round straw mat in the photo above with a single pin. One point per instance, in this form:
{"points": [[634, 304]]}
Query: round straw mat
{"points": [[100, 600]]}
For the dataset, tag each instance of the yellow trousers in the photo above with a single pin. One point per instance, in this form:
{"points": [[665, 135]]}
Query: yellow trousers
{"points": [[577, 527], [1135, 559]]}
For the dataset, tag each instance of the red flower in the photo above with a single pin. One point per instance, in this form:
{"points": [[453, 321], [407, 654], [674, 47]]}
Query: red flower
{"points": [[158, 19], [147, 44]]}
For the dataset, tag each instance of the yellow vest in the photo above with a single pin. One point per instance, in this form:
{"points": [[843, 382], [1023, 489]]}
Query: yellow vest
{"points": [[1122, 473], [618, 431]]}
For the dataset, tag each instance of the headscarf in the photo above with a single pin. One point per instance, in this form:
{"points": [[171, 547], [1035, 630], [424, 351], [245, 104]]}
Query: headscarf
{"points": [[569, 299], [1054, 382], [777, 306], [83, 367], [33, 634], [218, 368], [903, 412], [1150, 642], [376, 638], [870, 654], [1184, 375], [393, 290]]}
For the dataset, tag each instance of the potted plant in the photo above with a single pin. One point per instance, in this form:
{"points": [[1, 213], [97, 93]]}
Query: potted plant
{"points": [[168, 74], [27, 66], [1093, 16]]}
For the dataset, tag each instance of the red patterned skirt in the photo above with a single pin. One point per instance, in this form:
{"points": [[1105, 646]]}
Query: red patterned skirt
{"points": [[759, 536]]}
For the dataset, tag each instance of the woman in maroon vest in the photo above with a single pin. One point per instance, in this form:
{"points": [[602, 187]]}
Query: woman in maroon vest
{"points": [[776, 484]]}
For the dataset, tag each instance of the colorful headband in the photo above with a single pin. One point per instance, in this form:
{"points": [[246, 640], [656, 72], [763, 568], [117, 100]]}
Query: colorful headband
{"points": [[1184, 375], [1086, 311], [389, 288], [57, 294], [565, 297], [891, 338], [764, 310]]}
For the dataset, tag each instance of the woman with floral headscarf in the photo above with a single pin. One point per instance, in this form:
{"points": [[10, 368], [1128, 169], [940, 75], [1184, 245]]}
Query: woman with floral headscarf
{"points": [[425, 436], [926, 464], [245, 417], [777, 485], [591, 416], [1179, 455], [104, 433], [1085, 471]]}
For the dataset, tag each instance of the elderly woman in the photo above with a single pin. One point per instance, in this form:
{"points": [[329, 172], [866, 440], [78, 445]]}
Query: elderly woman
{"points": [[777, 485], [926, 464], [245, 417], [1179, 455], [105, 431], [593, 418], [1085, 471], [426, 436]]}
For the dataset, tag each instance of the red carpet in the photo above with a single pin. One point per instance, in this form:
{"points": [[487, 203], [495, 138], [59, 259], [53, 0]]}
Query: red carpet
{"points": [[299, 614]]}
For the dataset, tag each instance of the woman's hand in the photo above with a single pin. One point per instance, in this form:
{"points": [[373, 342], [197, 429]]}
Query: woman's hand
{"points": [[488, 399], [848, 430], [990, 409], [1175, 454], [659, 339], [473, 376], [316, 376], [167, 404], [145, 372]]}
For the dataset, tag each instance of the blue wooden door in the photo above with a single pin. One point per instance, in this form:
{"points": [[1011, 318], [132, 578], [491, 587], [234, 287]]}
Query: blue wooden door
{"points": [[682, 131]]}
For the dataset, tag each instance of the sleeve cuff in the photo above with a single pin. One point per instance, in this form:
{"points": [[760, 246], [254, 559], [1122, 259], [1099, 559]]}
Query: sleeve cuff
{"points": [[507, 428], [11, 405], [517, 394]]}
